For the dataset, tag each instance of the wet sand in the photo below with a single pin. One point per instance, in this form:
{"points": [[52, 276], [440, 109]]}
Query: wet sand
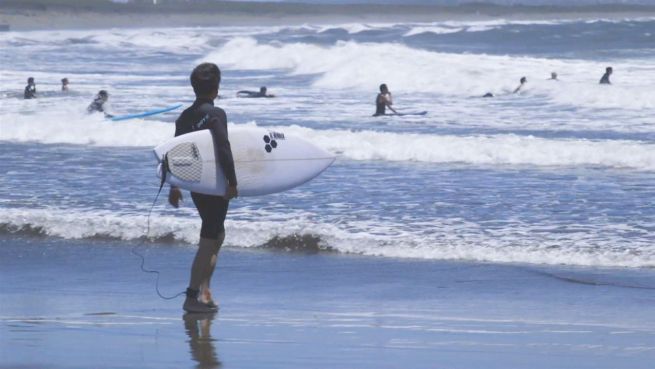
{"points": [[82, 304]]}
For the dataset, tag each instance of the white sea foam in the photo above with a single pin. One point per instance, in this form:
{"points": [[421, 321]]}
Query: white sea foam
{"points": [[359, 66], [183, 40], [75, 127], [498, 149], [479, 28], [352, 28], [437, 30], [452, 239]]}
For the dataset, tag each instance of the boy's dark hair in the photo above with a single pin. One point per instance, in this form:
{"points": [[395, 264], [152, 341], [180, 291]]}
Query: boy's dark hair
{"points": [[383, 87], [205, 78]]}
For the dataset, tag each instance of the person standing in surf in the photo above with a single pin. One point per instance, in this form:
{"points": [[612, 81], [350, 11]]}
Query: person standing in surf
{"points": [[383, 101], [605, 79], [98, 104], [205, 80], [30, 89]]}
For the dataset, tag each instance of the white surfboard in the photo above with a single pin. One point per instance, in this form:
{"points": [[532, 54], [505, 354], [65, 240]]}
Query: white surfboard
{"points": [[265, 161]]}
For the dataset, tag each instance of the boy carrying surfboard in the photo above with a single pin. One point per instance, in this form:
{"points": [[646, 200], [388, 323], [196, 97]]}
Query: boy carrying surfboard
{"points": [[205, 80]]}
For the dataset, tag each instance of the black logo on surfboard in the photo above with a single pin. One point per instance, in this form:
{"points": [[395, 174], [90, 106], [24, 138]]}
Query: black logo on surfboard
{"points": [[271, 140]]}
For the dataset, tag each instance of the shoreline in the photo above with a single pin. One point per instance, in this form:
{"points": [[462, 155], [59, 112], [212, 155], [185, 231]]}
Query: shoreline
{"points": [[61, 15], [296, 310]]}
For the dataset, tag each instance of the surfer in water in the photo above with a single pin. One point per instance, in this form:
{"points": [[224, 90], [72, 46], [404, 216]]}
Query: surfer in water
{"points": [[205, 80], [605, 79], [30, 89], [383, 101], [64, 85], [254, 94], [98, 104], [553, 76], [522, 82], [520, 86]]}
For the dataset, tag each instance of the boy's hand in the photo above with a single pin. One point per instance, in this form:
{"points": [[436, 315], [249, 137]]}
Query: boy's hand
{"points": [[231, 192], [174, 197]]}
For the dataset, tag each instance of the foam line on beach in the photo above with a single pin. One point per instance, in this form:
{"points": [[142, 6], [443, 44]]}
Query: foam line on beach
{"points": [[447, 239]]}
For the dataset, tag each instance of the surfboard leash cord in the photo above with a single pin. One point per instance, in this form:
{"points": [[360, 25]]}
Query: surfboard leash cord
{"points": [[145, 237]]}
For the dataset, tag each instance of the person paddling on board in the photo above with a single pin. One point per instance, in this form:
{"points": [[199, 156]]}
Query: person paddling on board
{"points": [[522, 82], [605, 79], [205, 80], [98, 104], [254, 94], [520, 86], [30, 89], [383, 101]]}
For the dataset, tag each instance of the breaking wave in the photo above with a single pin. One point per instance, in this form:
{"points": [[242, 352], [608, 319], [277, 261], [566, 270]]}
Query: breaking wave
{"points": [[360, 66], [438, 240], [502, 149]]}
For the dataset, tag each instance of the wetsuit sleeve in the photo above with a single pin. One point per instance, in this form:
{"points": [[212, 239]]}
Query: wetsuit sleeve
{"points": [[178, 131], [222, 146]]}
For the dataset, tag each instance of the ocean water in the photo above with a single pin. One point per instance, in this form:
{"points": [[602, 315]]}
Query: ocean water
{"points": [[560, 173], [468, 2]]}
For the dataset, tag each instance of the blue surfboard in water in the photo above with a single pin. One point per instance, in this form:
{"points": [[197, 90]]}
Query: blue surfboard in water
{"points": [[144, 114]]}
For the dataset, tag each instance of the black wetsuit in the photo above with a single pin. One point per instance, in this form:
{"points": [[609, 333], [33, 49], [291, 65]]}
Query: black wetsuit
{"points": [[380, 105], [605, 79], [98, 105], [30, 92], [204, 115]]}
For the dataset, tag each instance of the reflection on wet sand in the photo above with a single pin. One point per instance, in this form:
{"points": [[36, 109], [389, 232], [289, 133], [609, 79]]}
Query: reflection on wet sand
{"points": [[201, 344]]}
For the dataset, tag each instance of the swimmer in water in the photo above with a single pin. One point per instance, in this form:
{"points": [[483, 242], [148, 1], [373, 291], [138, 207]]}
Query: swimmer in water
{"points": [[254, 94], [383, 101], [64, 85], [518, 89], [98, 104], [605, 79], [553, 76], [523, 82], [30, 89]]}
